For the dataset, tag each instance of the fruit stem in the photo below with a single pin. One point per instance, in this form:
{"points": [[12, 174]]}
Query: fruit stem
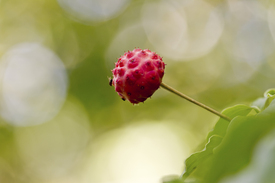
{"points": [[169, 88]]}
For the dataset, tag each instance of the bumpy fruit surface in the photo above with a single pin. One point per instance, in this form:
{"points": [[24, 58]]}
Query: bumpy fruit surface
{"points": [[137, 75]]}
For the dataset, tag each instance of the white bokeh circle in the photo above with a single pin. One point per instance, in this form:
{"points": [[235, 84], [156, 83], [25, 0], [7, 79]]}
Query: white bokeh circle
{"points": [[127, 39], [93, 10], [33, 84], [247, 38], [182, 30], [51, 150], [144, 152]]}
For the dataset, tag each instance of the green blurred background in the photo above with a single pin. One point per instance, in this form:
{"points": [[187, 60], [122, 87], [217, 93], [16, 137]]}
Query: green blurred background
{"points": [[61, 122]]}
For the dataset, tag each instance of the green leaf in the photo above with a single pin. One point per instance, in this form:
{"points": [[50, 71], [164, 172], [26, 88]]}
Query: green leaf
{"points": [[236, 149], [230, 145], [221, 126], [260, 103], [262, 165], [270, 95], [195, 159], [214, 138], [263, 102]]}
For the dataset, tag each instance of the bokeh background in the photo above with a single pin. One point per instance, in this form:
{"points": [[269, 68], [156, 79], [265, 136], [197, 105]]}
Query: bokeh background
{"points": [[61, 122]]}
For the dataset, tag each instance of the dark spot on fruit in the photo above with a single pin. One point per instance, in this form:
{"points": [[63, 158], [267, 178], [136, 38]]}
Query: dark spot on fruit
{"points": [[143, 53], [110, 81], [137, 74], [129, 94], [130, 54], [153, 78], [121, 72], [155, 56], [161, 73], [142, 87], [130, 80], [132, 63], [118, 82], [121, 64], [159, 64], [148, 66], [123, 99]]}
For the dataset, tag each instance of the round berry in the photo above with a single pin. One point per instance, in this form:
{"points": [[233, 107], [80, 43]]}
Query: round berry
{"points": [[137, 75]]}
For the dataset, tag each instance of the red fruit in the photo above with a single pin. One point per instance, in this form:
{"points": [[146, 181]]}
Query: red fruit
{"points": [[137, 75]]}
